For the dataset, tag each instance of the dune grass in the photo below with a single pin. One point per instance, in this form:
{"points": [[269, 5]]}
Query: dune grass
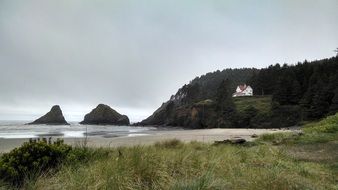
{"points": [[274, 161], [190, 166], [317, 143], [322, 131]]}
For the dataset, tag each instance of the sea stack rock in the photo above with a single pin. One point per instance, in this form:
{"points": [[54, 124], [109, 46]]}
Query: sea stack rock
{"points": [[53, 117], [105, 115]]}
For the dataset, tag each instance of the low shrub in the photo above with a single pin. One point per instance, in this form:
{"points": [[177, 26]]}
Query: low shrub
{"points": [[32, 159]]}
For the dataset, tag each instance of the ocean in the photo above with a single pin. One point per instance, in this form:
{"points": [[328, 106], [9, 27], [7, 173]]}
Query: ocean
{"points": [[18, 130]]}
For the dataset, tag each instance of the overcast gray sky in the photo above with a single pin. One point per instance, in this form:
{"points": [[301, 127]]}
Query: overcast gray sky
{"points": [[133, 55]]}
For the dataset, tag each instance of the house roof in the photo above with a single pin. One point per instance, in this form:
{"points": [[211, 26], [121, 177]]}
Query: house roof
{"points": [[242, 87]]}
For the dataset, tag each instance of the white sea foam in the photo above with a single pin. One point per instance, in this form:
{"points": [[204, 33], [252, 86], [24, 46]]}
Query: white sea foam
{"points": [[137, 135], [16, 136], [73, 134]]}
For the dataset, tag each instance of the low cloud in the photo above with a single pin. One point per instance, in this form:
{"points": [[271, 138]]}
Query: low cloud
{"points": [[133, 55]]}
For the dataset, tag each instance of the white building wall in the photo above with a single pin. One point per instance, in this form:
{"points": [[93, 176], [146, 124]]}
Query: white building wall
{"points": [[247, 92]]}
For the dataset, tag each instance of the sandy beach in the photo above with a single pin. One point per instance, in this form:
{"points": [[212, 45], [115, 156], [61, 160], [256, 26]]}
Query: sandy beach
{"points": [[202, 135]]}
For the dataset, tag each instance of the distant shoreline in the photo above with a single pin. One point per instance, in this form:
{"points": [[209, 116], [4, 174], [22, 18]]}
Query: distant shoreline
{"points": [[185, 135]]}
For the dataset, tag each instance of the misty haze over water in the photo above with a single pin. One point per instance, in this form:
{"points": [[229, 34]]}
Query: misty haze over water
{"points": [[18, 129]]}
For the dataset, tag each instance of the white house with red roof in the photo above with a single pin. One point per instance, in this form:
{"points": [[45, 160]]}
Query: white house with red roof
{"points": [[243, 90]]}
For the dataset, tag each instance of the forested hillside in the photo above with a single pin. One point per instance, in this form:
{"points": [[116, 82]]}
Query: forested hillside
{"points": [[311, 85], [305, 91]]}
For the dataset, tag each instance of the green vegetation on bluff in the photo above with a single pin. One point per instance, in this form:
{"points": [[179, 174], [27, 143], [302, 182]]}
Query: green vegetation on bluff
{"points": [[295, 160], [261, 103]]}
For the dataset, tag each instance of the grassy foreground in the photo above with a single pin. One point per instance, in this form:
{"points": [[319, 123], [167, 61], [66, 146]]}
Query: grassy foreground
{"points": [[307, 160]]}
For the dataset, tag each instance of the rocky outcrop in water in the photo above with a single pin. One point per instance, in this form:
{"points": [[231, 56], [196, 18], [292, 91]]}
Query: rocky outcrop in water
{"points": [[53, 117], [105, 115]]}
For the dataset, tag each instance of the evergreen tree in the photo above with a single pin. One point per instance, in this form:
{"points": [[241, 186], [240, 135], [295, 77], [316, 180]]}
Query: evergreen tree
{"points": [[225, 106], [306, 101], [333, 93], [287, 90], [192, 93], [334, 104], [296, 92], [319, 106], [281, 93]]}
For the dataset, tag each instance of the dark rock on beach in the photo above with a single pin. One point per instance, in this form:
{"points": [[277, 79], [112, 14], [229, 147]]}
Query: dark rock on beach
{"points": [[53, 117], [231, 141], [105, 115]]}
